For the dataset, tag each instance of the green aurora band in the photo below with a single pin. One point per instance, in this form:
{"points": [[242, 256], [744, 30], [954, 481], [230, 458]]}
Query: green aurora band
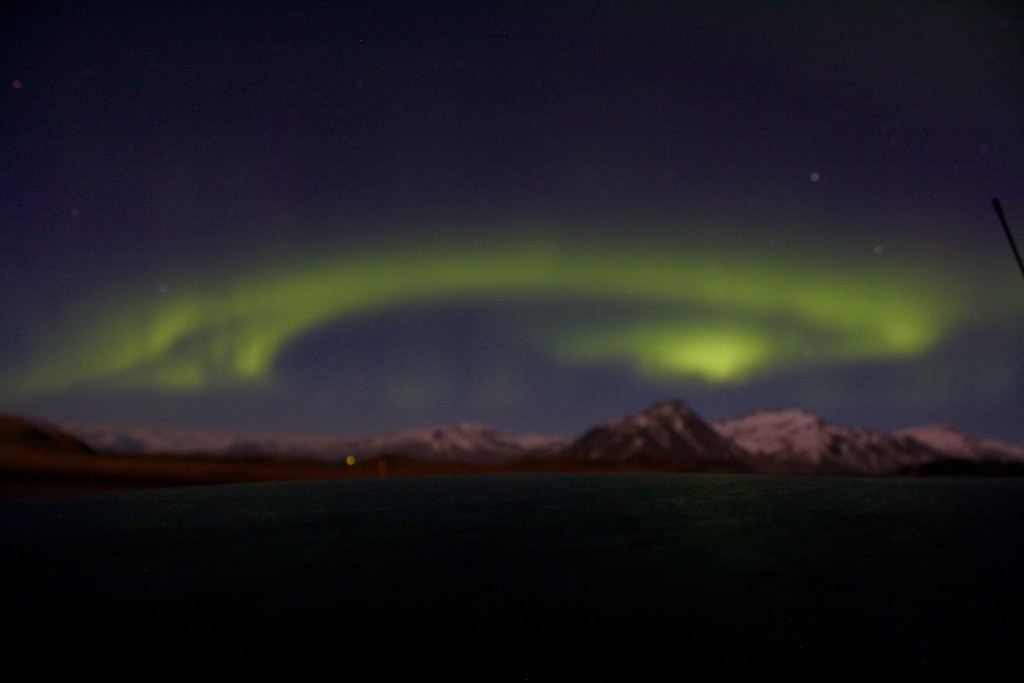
{"points": [[719, 319]]}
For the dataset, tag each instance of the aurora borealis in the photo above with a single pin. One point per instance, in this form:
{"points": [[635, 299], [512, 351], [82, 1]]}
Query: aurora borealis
{"points": [[230, 332], [348, 221]]}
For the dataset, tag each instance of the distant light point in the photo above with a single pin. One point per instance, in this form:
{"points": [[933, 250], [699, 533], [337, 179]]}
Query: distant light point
{"points": [[878, 249], [815, 177], [350, 460], [16, 84]]}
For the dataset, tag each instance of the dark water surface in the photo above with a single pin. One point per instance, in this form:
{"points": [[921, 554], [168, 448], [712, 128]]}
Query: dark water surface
{"points": [[525, 577]]}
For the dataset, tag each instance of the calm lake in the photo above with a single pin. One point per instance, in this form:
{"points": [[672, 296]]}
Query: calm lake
{"points": [[524, 577]]}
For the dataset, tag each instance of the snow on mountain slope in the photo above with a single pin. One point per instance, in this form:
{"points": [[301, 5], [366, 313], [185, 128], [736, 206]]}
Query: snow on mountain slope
{"points": [[462, 442], [956, 444], [127, 439], [471, 443], [798, 441], [668, 431], [766, 440]]}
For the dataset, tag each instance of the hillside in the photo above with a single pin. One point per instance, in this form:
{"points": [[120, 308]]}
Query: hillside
{"points": [[37, 458]]}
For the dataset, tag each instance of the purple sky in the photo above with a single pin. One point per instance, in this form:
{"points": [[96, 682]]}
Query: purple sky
{"points": [[351, 220]]}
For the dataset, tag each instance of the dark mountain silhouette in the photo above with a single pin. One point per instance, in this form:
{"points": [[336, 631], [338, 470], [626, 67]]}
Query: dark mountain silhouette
{"points": [[667, 435], [668, 431], [37, 458], [19, 433]]}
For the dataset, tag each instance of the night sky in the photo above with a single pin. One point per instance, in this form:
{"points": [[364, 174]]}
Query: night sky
{"points": [[350, 220]]}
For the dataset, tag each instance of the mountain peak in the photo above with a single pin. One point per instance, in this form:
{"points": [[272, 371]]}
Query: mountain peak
{"points": [[668, 430], [673, 413], [666, 434], [669, 405], [796, 440]]}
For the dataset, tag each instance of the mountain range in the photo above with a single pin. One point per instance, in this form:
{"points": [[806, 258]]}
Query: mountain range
{"points": [[666, 435]]}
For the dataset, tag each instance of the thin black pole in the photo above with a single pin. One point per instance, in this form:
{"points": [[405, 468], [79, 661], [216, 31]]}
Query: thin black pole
{"points": [[1002, 219]]}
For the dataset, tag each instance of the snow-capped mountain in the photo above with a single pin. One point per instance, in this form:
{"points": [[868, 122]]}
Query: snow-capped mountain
{"points": [[798, 441], [665, 431], [462, 442], [954, 443], [467, 442], [669, 433], [779, 441], [129, 439]]}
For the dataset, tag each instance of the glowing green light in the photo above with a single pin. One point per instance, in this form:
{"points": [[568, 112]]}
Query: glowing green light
{"points": [[229, 328], [714, 353]]}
